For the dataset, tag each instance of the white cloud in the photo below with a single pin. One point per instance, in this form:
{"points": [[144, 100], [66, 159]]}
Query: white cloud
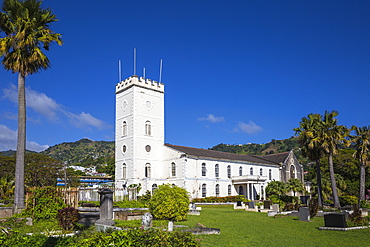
{"points": [[37, 101], [49, 108], [212, 119], [250, 128], [8, 140], [84, 120]]}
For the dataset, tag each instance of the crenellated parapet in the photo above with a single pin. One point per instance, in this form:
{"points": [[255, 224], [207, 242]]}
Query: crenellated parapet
{"points": [[141, 82]]}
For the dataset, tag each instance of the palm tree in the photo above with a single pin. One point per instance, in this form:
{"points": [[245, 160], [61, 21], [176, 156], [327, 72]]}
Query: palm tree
{"points": [[26, 26], [362, 154], [295, 185], [331, 136], [307, 137], [276, 188]]}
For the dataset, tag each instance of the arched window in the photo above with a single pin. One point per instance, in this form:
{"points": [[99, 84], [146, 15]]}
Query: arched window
{"points": [[154, 187], [229, 190], [204, 170], [241, 190], [204, 190], [217, 171], [240, 171], [292, 171], [229, 171], [147, 170], [270, 174], [124, 170], [251, 171], [148, 128], [173, 169], [261, 172], [217, 190], [124, 128]]}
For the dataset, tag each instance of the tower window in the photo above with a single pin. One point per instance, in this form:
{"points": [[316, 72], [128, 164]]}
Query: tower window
{"points": [[204, 170], [173, 169], [124, 168], [217, 171], [148, 128], [147, 170], [124, 128]]}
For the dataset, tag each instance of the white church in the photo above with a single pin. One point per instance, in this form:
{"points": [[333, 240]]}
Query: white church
{"points": [[143, 157]]}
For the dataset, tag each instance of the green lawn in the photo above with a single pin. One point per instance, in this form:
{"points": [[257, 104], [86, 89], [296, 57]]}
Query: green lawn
{"points": [[241, 228]]}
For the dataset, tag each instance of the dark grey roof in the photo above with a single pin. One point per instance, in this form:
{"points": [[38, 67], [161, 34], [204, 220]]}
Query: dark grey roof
{"points": [[276, 158], [198, 152]]}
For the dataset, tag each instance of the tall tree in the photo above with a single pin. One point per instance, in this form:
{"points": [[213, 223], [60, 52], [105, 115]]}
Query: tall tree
{"points": [[361, 141], [308, 132], [27, 33], [331, 137]]}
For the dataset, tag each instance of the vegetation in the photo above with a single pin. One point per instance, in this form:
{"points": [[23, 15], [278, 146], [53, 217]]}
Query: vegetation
{"points": [[68, 217], [361, 142], [43, 203], [40, 170], [169, 203], [295, 185], [240, 198], [27, 28]]}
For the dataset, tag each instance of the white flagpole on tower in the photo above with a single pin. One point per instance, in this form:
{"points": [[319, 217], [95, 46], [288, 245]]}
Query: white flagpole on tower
{"points": [[134, 61], [160, 71]]}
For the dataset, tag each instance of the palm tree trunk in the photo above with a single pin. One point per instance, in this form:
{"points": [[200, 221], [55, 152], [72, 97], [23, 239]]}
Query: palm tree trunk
{"points": [[319, 185], [333, 182], [362, 182], [21, 146]]}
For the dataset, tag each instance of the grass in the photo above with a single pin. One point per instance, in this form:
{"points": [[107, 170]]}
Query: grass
{"points": [[241, 228]]}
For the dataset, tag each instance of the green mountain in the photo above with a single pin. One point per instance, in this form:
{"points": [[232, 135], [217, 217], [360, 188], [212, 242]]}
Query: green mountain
{"points": [[83, 152], [275, 146]]}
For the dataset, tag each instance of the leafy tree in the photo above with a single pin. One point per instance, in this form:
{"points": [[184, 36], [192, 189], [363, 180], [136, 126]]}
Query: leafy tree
{"points": [[308, 131], [170, 203], [362, 144], [331, 136], [41, 170], [6, 188], [26, 26], [295, 185], [276, 188]]}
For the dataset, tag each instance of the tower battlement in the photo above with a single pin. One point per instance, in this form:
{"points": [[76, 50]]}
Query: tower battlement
{"points": [[141, 82]]}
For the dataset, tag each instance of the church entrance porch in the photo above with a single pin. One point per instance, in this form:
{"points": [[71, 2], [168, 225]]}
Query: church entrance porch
{"points": [[251, 186]]}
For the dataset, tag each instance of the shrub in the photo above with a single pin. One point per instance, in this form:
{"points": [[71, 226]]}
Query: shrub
{"points": [[356, 219], [364, 204], [313, 207], [43, 203], [138, 237], [348, 200], [170, 203], [67, 218]]}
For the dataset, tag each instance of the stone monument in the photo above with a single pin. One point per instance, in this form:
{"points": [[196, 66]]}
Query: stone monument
{"points": [[106, 207]]}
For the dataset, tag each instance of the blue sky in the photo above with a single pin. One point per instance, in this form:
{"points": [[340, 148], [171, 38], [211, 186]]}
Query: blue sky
{"points": [[235, 72]]}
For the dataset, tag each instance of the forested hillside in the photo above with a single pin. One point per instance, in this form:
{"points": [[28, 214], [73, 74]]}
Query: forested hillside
{"points": [[275, 146], [86, 153]]}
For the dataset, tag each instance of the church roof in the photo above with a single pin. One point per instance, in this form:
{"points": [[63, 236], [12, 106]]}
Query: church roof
{"points": [[274, 159]]}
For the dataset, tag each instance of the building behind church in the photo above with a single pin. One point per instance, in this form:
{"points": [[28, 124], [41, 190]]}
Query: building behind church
{"points": [[143, 157]]}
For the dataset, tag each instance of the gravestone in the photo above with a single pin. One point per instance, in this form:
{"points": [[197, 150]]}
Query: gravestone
{"points": [[106, 207], [275, 207], [146, 220], [266, 204], [304, 214], [251, 204], [239, 203], [335, 220]]}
